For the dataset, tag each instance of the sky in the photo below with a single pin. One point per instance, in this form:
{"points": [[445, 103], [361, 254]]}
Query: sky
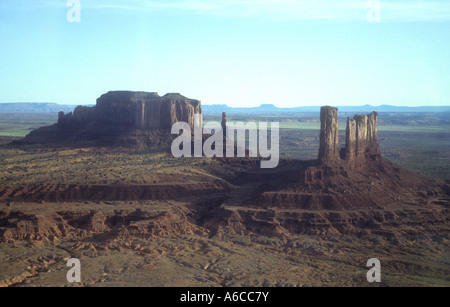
{"points": [[242, 53]]}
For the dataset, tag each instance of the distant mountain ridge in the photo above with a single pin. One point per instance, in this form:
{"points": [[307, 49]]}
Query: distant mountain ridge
{"points": [[271, 109], [35, 107], [268, 109]]}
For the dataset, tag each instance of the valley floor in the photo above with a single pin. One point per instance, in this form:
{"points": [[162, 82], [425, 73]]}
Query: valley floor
{"points": [[207, 239]]}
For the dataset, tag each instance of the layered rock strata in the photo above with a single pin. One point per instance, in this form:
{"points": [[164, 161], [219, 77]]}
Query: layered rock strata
{"points": [[120, 118], [141, 110]]}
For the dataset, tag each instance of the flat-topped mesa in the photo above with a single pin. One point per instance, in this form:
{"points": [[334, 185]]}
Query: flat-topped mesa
{"points": [[329, 138], [140, 110], [361, 138]]}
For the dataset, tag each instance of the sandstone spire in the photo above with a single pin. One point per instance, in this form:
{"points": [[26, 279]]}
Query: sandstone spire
{"points": [[329, 138], [361, 138], [224, 123]]}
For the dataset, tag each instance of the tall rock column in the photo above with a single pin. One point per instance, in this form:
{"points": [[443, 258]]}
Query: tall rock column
{"points": [[361, 139], [361, 135], [350, 140], [373, 147], [224, 124], [329, 135]]}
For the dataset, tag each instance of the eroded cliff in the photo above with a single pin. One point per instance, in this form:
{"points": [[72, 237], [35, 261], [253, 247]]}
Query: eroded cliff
{"points": [[120, 118], [141, 110]]}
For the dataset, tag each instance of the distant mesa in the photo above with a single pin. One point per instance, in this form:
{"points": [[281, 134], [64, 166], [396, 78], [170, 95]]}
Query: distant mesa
{"points": [[34, 107], [122, 118], [140, 110]]}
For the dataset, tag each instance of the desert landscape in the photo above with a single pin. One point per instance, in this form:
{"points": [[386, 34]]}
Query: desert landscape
{"points": [[225, 151], [101, 185]]}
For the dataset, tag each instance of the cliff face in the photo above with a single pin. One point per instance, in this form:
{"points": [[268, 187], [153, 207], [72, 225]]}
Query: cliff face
{"points": [[361, 140], [120, 118], [140, 110]]}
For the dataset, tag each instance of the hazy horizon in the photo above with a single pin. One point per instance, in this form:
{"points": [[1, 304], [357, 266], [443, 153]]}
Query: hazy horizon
{"points": [[288, 53], [253, 106]]}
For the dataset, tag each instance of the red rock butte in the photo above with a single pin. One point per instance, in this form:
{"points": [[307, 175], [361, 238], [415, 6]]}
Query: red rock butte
{"points": [[361, 138], [120, 119], [141, 110]]}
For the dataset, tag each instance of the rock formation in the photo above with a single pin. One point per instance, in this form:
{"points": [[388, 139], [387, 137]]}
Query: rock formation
{"points": [[329, 136], [224, 123], [361, 140], [355, 177], [140, 110], [120, 118]]}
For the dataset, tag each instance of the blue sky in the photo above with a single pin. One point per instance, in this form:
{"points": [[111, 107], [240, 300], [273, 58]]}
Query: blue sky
{"points": [[236, 52]]}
